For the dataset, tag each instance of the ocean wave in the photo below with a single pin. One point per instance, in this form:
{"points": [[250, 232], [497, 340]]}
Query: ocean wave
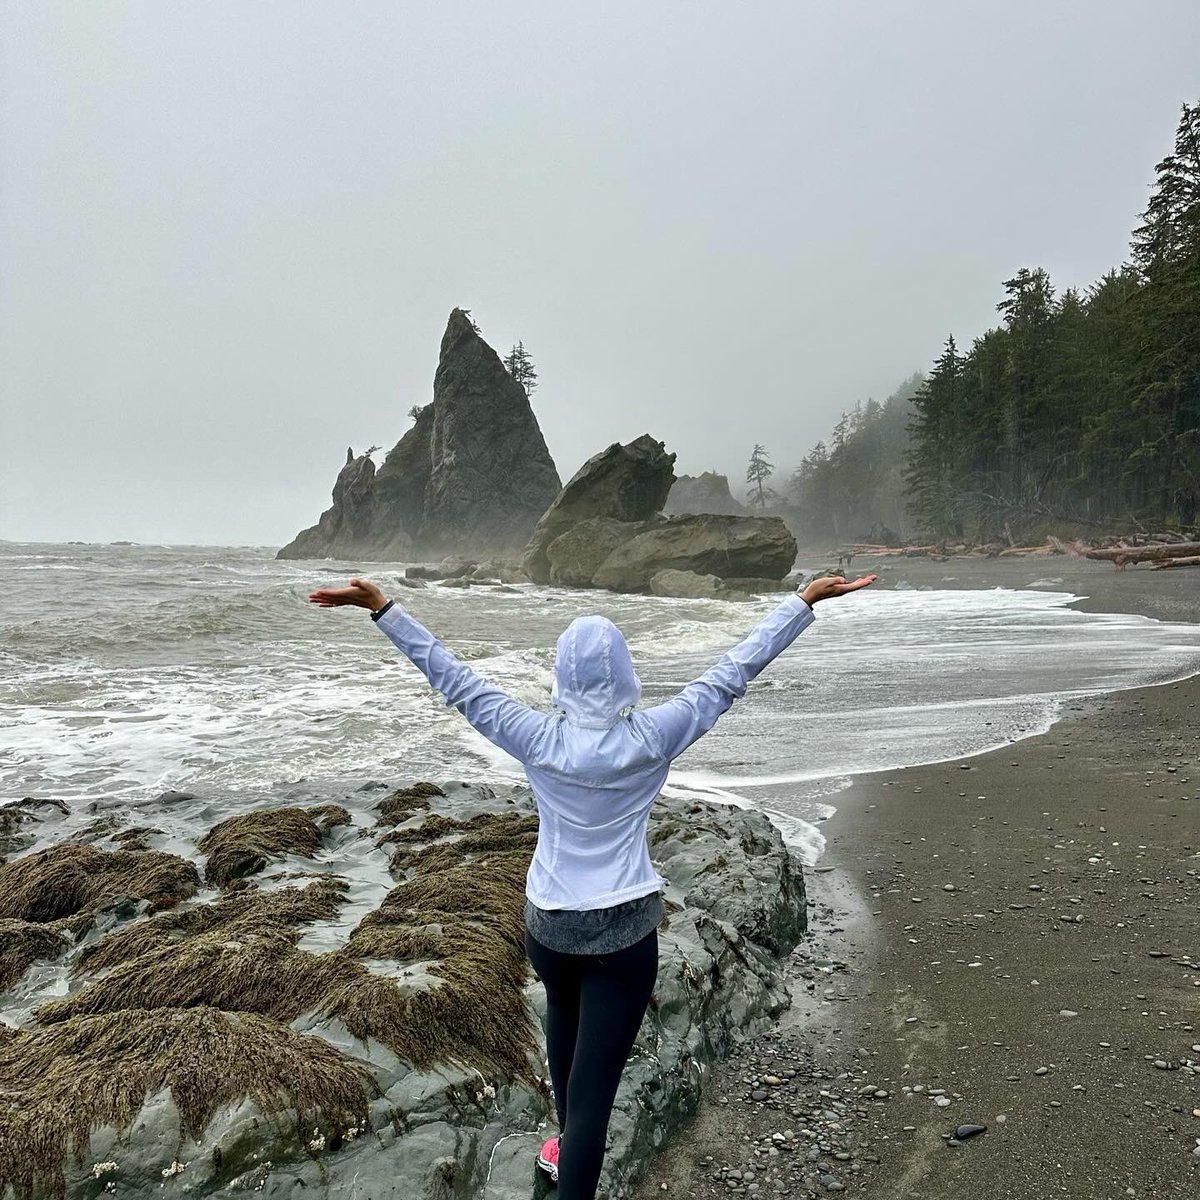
{"points": [[208, 671]]}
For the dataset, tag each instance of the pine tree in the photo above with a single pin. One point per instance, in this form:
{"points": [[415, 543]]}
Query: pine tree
{"points": [[1166, 253], [520, 367], [758, 472], [934, 469]]}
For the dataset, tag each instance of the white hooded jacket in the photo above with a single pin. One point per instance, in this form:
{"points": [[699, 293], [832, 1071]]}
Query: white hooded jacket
{"points": [[595, 765]]}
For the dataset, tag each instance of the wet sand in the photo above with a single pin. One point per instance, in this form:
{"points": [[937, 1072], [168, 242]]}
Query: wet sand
{"points": [[1018, 933]]}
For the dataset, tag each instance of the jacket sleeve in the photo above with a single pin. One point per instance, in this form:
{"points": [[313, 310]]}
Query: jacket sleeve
{"points": [[680, 721], [514, 727]]}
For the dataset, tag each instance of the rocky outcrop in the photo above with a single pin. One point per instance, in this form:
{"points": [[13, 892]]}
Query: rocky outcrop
{"points": [[708, 545], [336, 534], [626, 483], [472, 475], [409, 1064], [606, 529], [706, 493]]}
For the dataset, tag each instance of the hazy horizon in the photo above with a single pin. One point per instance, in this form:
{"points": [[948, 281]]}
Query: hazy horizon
{"points": [[233, 234]]}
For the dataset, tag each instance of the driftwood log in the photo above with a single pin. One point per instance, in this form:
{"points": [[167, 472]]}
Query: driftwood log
{"points": [[1165, 549], [1122, 556], [1191, 560]]}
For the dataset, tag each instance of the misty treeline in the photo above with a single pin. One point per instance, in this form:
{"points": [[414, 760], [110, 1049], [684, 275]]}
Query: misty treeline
{"points": [[853, 486], [1082, 408]]}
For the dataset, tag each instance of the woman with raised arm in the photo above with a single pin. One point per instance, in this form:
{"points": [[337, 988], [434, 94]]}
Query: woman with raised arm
{"points": [[595, 765]]}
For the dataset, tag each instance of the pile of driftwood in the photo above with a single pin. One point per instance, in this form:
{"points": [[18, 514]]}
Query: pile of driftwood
{"points": [[1166, 549]]}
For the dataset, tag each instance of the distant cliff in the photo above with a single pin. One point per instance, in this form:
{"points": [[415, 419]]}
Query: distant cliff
{"points": [[471, 476], [707, 493]]}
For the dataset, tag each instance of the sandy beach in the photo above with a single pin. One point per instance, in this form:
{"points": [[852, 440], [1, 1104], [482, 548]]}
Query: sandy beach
{"points": [[1008, 941]]}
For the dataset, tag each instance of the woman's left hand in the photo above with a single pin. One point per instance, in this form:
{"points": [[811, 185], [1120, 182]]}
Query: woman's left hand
{"points": [[361, 593], [828, 586]]}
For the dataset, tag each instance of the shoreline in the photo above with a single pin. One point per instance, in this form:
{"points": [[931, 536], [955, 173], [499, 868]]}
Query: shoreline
{"points": [[949, 938]]}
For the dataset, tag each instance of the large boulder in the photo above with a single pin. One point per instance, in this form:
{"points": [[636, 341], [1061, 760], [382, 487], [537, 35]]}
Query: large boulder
{"points": [[706, 493], [472, 475], [622, 483], [576, 556], [728, 547]]}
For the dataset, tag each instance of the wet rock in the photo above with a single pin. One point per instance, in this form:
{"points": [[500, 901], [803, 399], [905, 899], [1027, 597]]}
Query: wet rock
{"points": [[19, 820], [962, 1132]]}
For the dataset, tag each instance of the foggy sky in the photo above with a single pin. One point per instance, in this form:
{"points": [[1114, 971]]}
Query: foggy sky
{"points": [[230, 233]]}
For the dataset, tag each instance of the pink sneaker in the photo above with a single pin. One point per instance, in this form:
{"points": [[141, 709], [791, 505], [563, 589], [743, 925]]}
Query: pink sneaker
{"points": [[547, 1158]]}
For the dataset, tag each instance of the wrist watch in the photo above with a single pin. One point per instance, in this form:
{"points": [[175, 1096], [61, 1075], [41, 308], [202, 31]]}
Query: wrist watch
{"points": [[380, 611]]}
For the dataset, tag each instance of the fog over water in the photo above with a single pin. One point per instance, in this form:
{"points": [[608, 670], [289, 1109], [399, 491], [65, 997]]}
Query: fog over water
{"points": [[232, 233]]}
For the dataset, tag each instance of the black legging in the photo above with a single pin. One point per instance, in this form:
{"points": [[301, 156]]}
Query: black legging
{"points": [[594, 1008]]}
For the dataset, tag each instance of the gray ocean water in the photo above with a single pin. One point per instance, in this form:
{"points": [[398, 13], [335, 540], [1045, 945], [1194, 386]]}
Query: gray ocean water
{"points": [[127, 671]]}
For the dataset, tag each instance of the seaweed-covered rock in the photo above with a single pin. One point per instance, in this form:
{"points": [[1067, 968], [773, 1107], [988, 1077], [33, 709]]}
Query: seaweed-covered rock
{"points": [[85, 1082], [18, 822], [242, 845], [65, 880], [623, 483], [204, 1051], [22, 943]]}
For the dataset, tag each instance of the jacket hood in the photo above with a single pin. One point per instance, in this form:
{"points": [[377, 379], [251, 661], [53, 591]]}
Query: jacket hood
{"points": [[594, 679]]}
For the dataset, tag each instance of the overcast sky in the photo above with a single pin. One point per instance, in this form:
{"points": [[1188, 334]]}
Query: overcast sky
{"points": [[230, 233]]}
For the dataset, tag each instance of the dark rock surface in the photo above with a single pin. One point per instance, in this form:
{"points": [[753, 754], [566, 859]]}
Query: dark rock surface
{"points": [[708, 545], [623, 483], [473, 474], [706, 493]]}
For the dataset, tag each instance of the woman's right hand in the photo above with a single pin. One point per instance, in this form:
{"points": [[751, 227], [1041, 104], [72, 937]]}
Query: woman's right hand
{"points": [[361, 593], [833, 585]]}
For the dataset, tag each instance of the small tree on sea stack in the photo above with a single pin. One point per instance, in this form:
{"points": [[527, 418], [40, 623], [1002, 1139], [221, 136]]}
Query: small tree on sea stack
{"points": [[520, 367], [757, 473]]}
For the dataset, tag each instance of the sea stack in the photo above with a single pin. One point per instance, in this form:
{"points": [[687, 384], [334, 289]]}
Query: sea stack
{"points": [[471, 476]]}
